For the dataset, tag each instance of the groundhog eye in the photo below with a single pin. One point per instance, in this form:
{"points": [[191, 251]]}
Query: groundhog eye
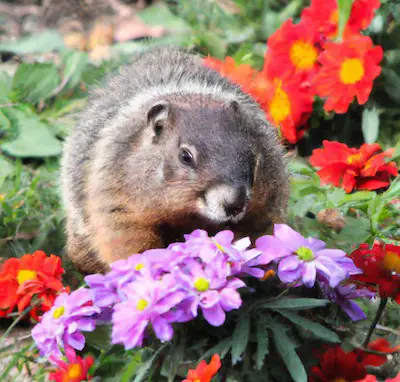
{"points": [[186, 157]]}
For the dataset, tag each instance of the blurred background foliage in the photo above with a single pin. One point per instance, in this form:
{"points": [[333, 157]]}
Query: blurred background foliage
{"points": [[52, 52]]}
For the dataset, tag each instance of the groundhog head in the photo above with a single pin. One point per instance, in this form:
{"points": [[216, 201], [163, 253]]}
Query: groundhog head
{"points": [[209, 156]]}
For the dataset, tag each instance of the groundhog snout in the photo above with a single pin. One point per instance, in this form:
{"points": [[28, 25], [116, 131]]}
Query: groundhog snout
{"points": [[224, 202]]}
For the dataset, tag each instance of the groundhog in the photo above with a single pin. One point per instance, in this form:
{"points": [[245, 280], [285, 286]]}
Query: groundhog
{"points": [[168, 146]]}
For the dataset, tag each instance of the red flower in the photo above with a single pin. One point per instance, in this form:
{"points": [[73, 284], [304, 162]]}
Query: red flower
{"points": [[30, 276], [336, 365], [75, 370], [204, 372], [381, 268], [292, 50], [352, 168], [372, 378], [325, 16], [348, 70]]}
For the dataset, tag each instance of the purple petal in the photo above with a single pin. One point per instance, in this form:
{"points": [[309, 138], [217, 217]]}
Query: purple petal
{"points": [[289, 236], [272, 248], [230, 299], [290, 276], [209, 299], [224, 238], [162, 329], [215, 315], [352, 310], [242, 244], [315, 244], [331, 270], [309, 274], [235, 284], [332, 253], [76, 340], [289, 263]]}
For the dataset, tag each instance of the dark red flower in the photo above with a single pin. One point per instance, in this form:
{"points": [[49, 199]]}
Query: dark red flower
{"points": [[337, 365], [33, 275], [381, 268], [352, 168], [204, 372], [75, 370]]}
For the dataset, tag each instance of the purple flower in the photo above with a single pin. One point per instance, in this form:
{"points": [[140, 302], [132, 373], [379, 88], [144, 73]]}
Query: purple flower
{"points": [[342, 296], [147, 301], [63, 324], [300, 259], [208, 287]]}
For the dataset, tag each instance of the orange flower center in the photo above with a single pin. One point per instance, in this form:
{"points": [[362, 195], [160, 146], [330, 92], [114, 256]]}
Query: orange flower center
{"points": [[334, 18], [392, 262], [354, 159], [268, 274], [25, 275], [279, 106], [351, 71], [303, 55], [74, 371]]}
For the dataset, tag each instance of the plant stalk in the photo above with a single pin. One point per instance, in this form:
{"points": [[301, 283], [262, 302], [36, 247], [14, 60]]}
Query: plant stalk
{"points": [[378, 315]]}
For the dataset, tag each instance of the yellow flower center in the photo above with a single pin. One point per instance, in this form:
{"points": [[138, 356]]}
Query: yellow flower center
{"points": [[58, 312], [75, 370], [355, 158], [139, 266], [392, 262], [26, 275], [201, 284], [280, 105], [305, 254], [142, 304], [303, 55], [351, 71]]}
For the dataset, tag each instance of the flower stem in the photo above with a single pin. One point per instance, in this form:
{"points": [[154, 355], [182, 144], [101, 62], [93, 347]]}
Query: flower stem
{"points": [[378, 315]]}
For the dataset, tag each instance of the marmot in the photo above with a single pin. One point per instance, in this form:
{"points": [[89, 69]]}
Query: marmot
{"points": [[168, 146]]}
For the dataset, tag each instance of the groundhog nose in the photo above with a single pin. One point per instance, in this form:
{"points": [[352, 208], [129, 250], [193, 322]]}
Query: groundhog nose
{"points": [[236, 205]]}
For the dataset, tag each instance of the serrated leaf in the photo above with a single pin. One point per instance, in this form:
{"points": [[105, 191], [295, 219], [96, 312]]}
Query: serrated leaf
{"points": [[42, 42], [34, 82], [34, 139], [221, 348], [317, 329], [144, 369], [262, 342], [370, 125], [295, 303], [240, 338], [287, 351], [344, 7]]}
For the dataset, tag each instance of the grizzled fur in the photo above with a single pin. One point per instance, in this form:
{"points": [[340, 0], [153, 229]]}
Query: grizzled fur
{"points": [[124, 188]]}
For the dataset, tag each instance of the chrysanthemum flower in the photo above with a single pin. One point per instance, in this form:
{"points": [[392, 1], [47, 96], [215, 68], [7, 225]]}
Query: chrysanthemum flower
{"points": [[147, 300], [204, 372], [352, 168], [343, 295], [33, 275], [324, 15], [300, 259], [337, 365], [76, 369], [62, 326], [381, 268], [348, 70], [292, 51]]}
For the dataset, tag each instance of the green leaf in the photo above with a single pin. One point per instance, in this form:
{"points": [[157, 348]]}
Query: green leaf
{"points": [[74, 65], [391, 84], [344, 14], [295, 303], [317, 329], [214, 45], [132, 367], [34, 82], [393, 190], [221, 348], [100, 338], [34, 139], [356, 230], [336, 196], [5, 124], [287, 351], [240, 338], [144, 369], [5, 87], [359, 196], [262, 342], [396, 153], [42, 42], [370, 125], [6, 169]]}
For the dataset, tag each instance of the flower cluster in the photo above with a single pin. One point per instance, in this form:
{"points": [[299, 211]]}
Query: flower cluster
{"points": [[306, 60], [337, 365], [165, 286], [34, 281], [352, 168]]}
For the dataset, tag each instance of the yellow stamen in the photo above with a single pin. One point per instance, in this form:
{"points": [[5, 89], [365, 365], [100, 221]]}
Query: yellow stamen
{"points": [[392, 262], [303, 55], [25, 275], [58, 312], [280, 105], [305, 254], [142, 304], [75, 370], [351, 71], [355, 158], [268, 274], [202, 284], [139, 266]]}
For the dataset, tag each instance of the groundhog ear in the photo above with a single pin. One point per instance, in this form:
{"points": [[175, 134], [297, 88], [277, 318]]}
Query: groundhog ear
{"points": [[157, 112], [234, 106]]}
